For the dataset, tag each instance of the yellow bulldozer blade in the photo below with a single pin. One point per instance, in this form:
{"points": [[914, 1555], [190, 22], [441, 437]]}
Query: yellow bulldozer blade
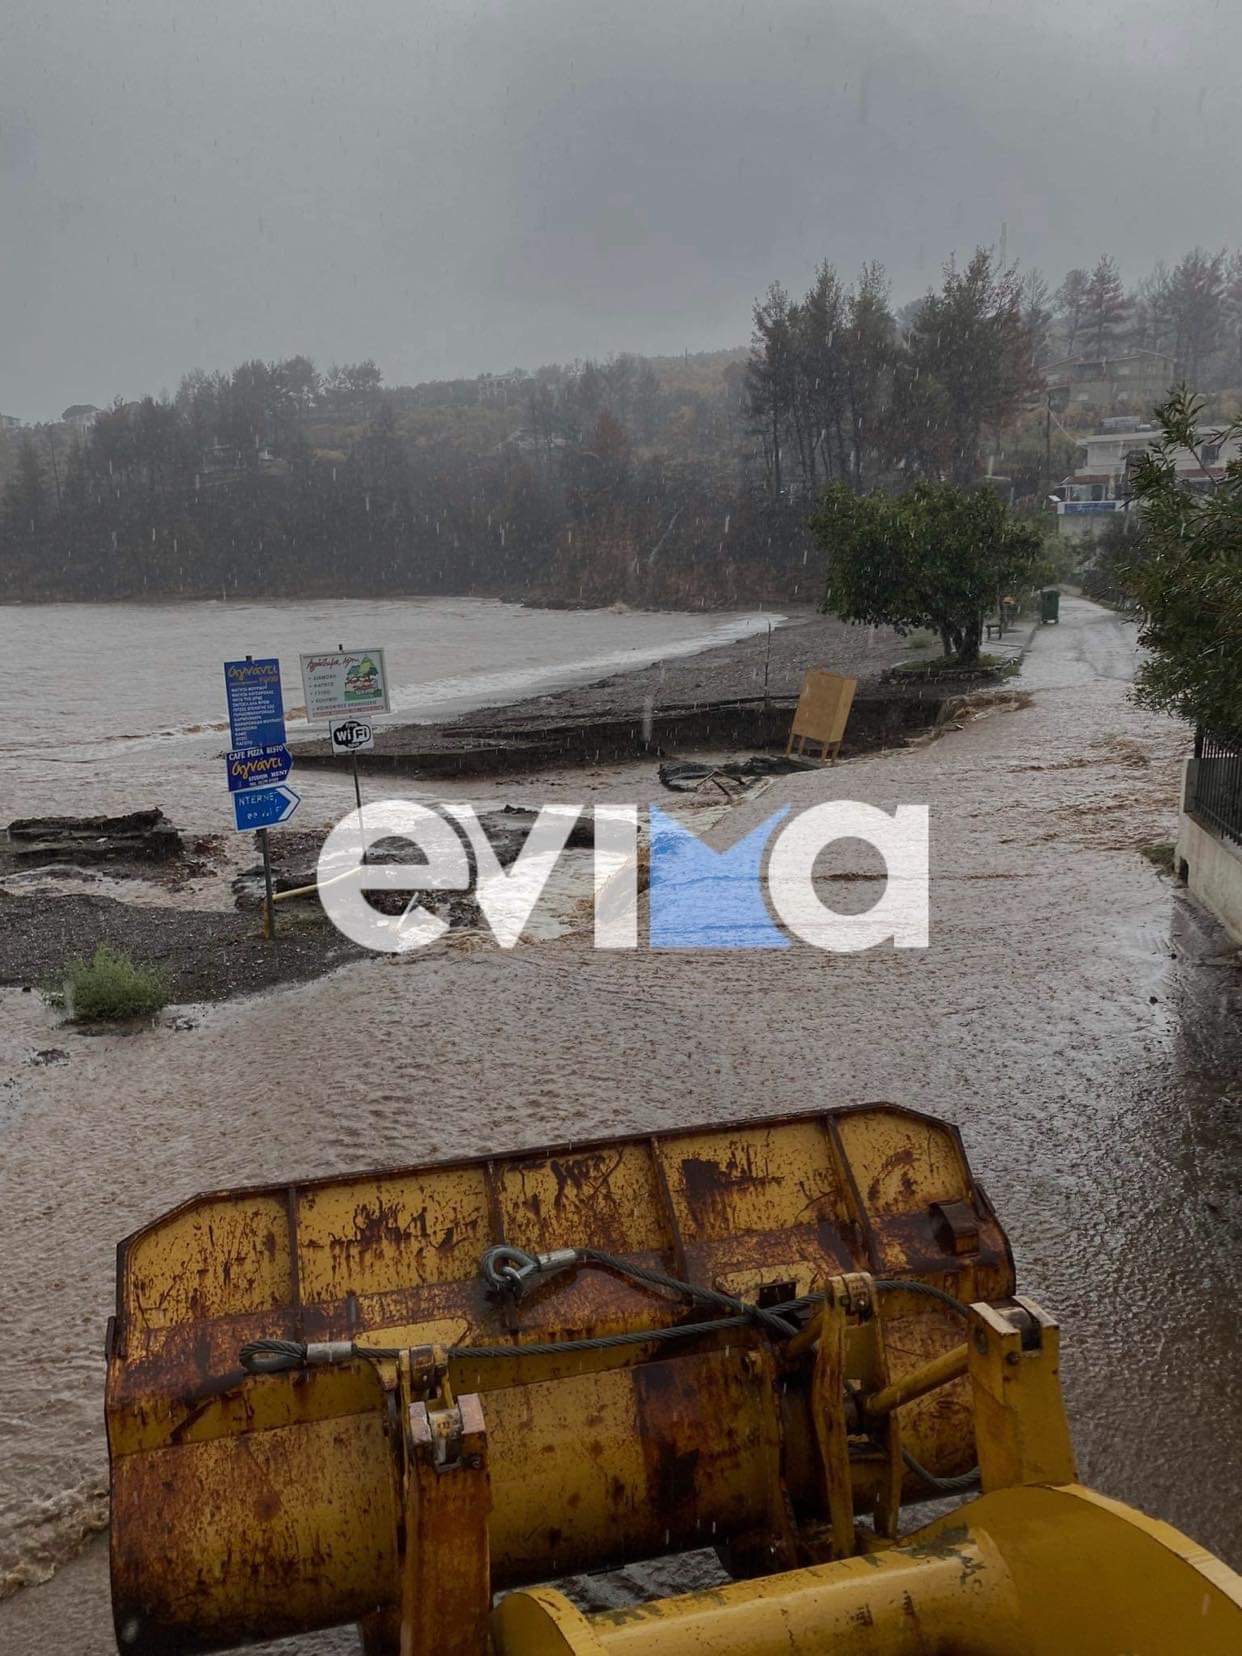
{"points": [[385, 1397]]}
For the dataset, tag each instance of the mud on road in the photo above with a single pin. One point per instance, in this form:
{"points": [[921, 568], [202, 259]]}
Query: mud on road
{"points": [[1074, 1014]]}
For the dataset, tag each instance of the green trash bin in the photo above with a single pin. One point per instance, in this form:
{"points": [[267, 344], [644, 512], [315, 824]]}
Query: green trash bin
{"points": [[1049, 606]]}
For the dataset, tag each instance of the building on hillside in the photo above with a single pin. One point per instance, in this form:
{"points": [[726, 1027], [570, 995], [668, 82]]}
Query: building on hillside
{"points": [[1130, 383], [1098, 487], [503, 389], [81, 416], [523, 441], [221, 457]]}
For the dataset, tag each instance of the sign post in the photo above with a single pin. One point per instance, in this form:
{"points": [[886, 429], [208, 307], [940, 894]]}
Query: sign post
{"points": [[269, 896], [259, 761], [344, 689], [352, 736]]}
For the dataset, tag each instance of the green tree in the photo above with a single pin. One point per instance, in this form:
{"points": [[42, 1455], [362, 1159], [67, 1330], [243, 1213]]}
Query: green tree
{"points": [[967, 366], [869, 349], [938, 556], [771, 376], [1151, 310], [26, 503], [352, 387], [1068, 303], [821, 373], [1197, 290], [1186, 577], [1105, 309], [1037, 313]]}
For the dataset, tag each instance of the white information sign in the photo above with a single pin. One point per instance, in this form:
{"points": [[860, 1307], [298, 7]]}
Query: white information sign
{"points": [[343, 684]]}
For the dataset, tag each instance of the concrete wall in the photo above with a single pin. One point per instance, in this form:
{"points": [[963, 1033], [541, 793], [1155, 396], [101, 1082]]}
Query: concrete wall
{"points": [[1211, 867]]}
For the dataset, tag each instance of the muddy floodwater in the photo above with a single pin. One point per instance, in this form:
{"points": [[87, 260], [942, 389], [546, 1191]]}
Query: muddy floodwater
{"points": [[1074, 1014], [108, 706]]}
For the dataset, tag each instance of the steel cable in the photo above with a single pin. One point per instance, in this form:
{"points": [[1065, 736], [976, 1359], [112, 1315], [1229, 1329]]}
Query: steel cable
{"points": [[274, 1356]]}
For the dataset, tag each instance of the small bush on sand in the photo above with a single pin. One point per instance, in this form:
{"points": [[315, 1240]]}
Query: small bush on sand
{"points": [[109, 986]]}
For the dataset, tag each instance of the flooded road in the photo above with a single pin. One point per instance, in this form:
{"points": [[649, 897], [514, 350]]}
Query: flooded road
{"points": [[1074, 1014]]}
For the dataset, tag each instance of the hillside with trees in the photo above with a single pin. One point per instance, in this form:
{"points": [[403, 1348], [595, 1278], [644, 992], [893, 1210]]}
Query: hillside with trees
{"points": [[679, 481]]}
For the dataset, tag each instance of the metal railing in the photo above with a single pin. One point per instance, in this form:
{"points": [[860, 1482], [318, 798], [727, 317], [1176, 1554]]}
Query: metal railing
{"points": [[1216, 788]]}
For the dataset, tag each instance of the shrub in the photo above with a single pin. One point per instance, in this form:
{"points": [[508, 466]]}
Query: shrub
{"points": [[1105, 557], [1186, 576], [110, 986]]}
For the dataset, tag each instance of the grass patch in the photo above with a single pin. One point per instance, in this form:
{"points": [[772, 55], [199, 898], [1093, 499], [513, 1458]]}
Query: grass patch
{"points": [[1160, 856], [920, 642], [950, 667], [108, 987]]}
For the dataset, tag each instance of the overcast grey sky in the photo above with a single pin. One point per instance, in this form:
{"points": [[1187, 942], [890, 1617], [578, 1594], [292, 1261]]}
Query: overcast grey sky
{"points": [[453, 186]]}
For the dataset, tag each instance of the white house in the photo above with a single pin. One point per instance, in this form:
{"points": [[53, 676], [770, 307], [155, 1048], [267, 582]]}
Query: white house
{"points": [[1097, 487]]}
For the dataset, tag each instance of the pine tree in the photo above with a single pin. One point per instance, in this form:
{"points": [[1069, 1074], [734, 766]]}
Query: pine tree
{"points": [[820, 386], [869, 348], [966, 368], [1105, 309], [770, 376], [1197, 306], [1037, 313], [1152, 325], [1068, 307]]}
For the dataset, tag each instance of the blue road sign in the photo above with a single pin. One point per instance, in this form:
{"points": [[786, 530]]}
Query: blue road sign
{"points": [[263, 807], [258, 767], [256, 708]]}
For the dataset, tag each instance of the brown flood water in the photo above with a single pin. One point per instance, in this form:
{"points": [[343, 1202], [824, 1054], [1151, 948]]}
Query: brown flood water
{"points": [[1074, 1015], [113, 706]]}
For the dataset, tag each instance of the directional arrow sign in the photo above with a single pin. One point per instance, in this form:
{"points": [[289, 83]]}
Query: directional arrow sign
{"points": [[263, 807], [258, 767]]}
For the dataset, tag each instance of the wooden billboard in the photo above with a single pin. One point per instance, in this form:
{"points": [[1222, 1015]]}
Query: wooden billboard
{"points": [[822, 712]]}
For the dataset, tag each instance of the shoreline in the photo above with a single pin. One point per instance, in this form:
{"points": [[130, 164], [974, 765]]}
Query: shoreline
{"points": [[799, 638], [736, 694], [618, 606], [711, 700]]}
